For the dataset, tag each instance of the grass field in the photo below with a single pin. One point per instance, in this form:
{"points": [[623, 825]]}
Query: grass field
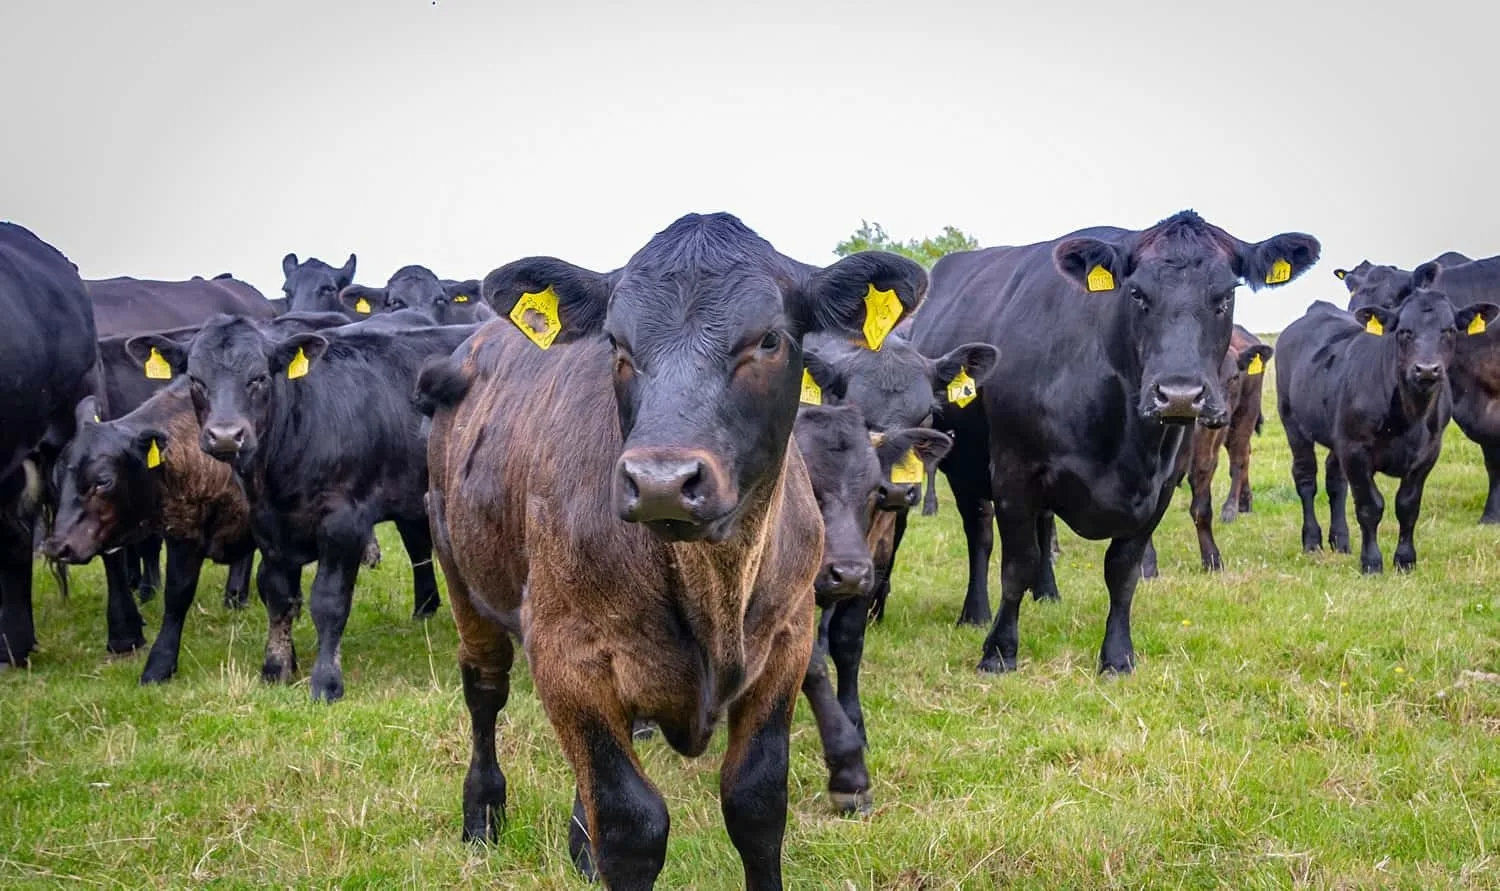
{"points": [[1290, 724]]}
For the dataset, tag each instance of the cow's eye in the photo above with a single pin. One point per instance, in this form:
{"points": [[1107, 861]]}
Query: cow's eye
{"points": [[103, 484], [325, 289], [1223, 303], [771, 342], [258, 382], [396, 303], [1141, 300], [1404, 336]]}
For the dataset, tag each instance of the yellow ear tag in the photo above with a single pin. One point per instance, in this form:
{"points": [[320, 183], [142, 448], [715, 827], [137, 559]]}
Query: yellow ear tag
{"points": [[882, 312], [1374, 327], [1281, 271], [157, 367], [1100, 279], [96, 417], [461, 298], [1339, 274], [1256, 366], [908, 469], [812, 394], [153, 455], [362, 306], [536, 316], [961, 390], [1477, 325], [298, 366]]}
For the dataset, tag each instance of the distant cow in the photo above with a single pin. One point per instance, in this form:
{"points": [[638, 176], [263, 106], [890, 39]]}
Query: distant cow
{"points": [[130, 305], [314, 286], [416, 288], [1385, 286], [1110, 345], [319, 429], [628, 501], [48, 357], [1372, 388]]}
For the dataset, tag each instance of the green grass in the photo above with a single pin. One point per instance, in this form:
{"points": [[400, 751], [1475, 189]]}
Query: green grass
{"points": [[1290, 723]]}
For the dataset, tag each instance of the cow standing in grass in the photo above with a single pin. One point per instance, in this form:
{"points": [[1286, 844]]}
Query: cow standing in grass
{"points": [[629, 502]]}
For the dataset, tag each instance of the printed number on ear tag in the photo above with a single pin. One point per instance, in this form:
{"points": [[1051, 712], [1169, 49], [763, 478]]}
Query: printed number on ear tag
{"points": [[153, 455], [882, 312], [1100, 279], [1374, 327], [362, 306], [961, 390], [1281, 271], [812, 394], [298, 366], [908, 470], [1476, 326], [1256, 366], [536, 315], [461, 298], [157, 367]]}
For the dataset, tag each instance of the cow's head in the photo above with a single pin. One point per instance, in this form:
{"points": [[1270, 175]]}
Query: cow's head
{"points": [[1371, 285], [314, 286], [897, 386], [1423, 330], [1237, 370], [705, 325], [233, 370], [1174, 285], [106, 486]]}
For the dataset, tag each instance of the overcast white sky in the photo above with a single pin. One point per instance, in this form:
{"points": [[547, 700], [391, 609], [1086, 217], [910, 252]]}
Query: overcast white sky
{"points": [[166, 139]]}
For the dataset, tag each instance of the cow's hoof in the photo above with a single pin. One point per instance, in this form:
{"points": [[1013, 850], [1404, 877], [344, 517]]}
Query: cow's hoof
{"points": [[1340, 545], [1117, 667], [158, 673], [642, 730], [233, 600], [1490, 519], [1213, 563], [1370, 567], [146, 594], [997, 664], [121, 646], [327, 685], [274, 672], [1228, 515], [853, 804], [425, 611]]}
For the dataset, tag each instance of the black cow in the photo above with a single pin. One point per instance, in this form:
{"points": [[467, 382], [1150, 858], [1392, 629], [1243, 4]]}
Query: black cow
{"points": [[314, 286], [130, 305], [1386, 286], [1379, 404], [48, 361], [319, 428], [415, 287], [1110, 344]]}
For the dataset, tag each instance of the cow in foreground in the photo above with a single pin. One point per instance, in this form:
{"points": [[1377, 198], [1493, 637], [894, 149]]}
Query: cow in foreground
{"points": [[319, 429], [658, 537], [1372, 388], [1110, 345]]}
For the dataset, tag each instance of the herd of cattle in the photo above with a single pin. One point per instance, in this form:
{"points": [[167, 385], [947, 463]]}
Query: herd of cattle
{"points": [[681, 485]]}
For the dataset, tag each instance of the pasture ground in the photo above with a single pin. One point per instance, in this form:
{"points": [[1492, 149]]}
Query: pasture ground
{"points": [[1290, 723]]}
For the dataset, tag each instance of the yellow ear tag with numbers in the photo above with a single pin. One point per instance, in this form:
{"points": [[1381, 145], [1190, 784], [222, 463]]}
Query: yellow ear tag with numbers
{"points": [[1477, 326], [1374, 327], [1281, 271], [461, 298], [882, 312], [362, 306], [298, 366], [1100, 279], [157, 367], [961, 390], [1257, 365], [536, 315], [153, 455], [812, 394], [908, 470]]}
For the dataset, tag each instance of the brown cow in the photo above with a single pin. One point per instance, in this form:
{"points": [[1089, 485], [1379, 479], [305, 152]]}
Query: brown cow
{"points": [[626, 500]]}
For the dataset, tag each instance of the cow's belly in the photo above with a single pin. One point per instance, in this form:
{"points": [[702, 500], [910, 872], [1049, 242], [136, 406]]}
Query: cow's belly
{"points": [[1104, 501]]}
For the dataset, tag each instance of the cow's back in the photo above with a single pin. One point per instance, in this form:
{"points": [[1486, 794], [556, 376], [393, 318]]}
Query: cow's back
{"points": [[1311, 360], [127, 305]]}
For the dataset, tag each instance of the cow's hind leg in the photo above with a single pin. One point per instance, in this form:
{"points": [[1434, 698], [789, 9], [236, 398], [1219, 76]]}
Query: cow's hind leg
{"points": [[1305, 477], [280, 586], [150, 555], [1045, 588], [237, 585], [417, 539], [1338, 489], [1369, 507], [17, 631], [122, 616], [1020, 557], [843, 746], [1492, 469]]}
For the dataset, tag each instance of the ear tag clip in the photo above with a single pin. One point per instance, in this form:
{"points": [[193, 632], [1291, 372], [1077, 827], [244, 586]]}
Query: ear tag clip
{"points": [[1257, 365], [536, 315], [1476, 325], [961, 390], [153, 455], [1100, 279], [812, 394], [1281, 271], [362, 306], [298, 366], [882, 312], [157, 367], [908, 470], [1374, 327]]}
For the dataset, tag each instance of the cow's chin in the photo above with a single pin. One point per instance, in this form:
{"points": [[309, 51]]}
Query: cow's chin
{"points": [[684, 532]]}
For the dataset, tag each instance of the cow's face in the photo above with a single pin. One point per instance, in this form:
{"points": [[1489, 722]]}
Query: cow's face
{"points": [[846, 481], [106, 491], [705, 325], [898, 387], [233, 371], [314, 286], [1176, 284], [1238, 368], [1424, 329], [906, 455]]}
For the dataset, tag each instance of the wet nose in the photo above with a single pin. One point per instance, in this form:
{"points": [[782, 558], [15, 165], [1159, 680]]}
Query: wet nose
{"points": [[223, 439], [1428, 372], [1178, 399], [662, 487], [844, 578], [894, 496], [57, 549]]}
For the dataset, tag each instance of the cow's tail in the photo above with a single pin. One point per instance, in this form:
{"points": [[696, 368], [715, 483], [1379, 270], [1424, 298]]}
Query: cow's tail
{"points": [[1260, 420], [440, 384]]}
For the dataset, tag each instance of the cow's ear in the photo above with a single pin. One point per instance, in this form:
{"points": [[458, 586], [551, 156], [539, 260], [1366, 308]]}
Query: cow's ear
{"points": [[1375, 320], [161, 357], [346, 273], [364, 299], [464, 292], [150, 446], [296, 354], [289, 265], [863, 296], [893, 445], [1092, 264], [1277, 260], [87, 411], [1476, 318], [976, 360], [1423, 276], [549, 300], [1253, 359], [1340, 273], [829, 382]]}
